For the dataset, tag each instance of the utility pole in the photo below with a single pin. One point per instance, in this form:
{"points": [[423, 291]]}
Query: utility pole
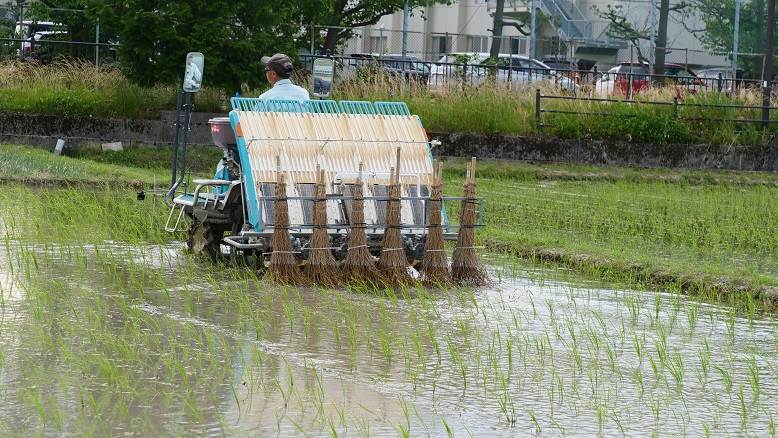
{"points": [[652, 38], [661, 40], [768, 68], [97, 44], [736, 40], [406, 17], [533, 31]]}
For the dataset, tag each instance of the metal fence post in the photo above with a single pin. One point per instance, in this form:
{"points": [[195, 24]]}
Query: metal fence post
{"points": [[720, 85], [675, 107], [538, 122], [97, 44], [313, 38], [630, 79]]}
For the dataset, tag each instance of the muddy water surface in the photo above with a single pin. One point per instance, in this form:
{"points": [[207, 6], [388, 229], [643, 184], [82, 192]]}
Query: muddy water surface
{"points": [[142, 340]]}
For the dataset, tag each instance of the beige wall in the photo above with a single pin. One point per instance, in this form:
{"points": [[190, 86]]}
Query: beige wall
{"points": [[472, 17]]}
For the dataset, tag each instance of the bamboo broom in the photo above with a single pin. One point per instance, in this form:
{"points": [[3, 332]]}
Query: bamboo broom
{"points": [[435, 264], [321, 267], [466, 268], [283, 266], [359, 266], [393, 265]]}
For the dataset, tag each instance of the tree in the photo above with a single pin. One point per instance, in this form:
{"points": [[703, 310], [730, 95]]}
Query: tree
{"points": [[342, 15], [80, 21], [499, 10], [719, 28], [155, 35], [623, 27]]}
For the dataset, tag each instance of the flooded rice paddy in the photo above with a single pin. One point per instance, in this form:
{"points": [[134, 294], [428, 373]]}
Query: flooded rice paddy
{"points": [[119, 339]]}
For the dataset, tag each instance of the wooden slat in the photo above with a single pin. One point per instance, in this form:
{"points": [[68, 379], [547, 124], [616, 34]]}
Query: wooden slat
{"points": [[337, 142]]}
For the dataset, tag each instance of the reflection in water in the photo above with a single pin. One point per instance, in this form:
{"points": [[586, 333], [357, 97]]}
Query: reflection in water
{"points": [[118, 339]]}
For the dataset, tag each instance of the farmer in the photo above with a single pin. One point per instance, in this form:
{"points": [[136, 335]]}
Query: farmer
{"points": [[278, 69]]}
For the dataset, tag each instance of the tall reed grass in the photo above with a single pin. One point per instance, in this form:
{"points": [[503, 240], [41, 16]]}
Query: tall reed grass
{"points": [[78, 89]]}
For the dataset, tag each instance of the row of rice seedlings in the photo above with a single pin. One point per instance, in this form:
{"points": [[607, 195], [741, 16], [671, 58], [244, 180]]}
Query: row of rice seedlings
{"points": [[655, 224], [468, 345]]}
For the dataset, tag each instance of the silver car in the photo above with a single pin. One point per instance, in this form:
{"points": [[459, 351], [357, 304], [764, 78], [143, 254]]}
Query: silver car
{"points": [[511, 70]]}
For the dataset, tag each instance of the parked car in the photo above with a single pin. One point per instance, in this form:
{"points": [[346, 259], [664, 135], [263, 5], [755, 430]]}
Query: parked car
{"points": [[565, 67], [37, 42], [509, 69], [411, 68], [616, 81], [710, 77], [684, 78]]}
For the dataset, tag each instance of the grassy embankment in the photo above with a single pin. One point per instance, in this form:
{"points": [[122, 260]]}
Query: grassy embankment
{"points": [[709, 233], [706, 233], [80, 90]]}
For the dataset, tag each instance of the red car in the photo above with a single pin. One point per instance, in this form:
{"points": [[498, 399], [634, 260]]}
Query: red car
{"points": [[616, 81]]}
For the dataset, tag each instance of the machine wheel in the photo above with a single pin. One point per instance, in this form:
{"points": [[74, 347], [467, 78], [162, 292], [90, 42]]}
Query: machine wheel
{"points": [[205, 239]]}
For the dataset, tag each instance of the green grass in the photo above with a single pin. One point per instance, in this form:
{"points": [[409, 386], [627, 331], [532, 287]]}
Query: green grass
{"points": [[645, 226], [495, 110], [77, 89], [643, 231], [107, 326], [536, 171], [20, 163]]}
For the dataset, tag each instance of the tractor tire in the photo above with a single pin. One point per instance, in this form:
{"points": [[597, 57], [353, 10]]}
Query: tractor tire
{"points": [[205, 239]]}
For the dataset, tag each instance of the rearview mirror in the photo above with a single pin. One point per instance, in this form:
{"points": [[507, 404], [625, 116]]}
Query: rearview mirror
{"points": [[193, 75], [323, 75]]}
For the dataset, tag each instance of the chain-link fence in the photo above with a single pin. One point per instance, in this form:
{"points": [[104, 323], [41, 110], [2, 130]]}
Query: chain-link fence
{"points": [[426, 46], [51, 49], [433, 46], [750, 65]]}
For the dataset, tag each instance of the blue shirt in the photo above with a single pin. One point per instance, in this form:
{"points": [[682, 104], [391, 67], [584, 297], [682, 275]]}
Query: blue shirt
{"points": [[284, 89]]}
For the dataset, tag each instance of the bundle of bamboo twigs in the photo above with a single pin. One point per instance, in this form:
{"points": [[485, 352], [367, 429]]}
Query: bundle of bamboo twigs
{"points": [[283, 266], [435, 263], [321, 267], [393, 264], [358, 266], [466, 268]]}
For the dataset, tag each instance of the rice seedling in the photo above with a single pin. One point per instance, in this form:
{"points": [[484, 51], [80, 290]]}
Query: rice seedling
{"points": [[212, 345]]}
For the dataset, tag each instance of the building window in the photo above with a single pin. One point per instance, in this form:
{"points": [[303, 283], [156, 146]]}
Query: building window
{"points": [[440, 45], [478, 44], [519, 46], [378, 44]]}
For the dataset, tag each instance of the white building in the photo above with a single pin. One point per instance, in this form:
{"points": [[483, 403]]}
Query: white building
{"points": [[570, 28]]}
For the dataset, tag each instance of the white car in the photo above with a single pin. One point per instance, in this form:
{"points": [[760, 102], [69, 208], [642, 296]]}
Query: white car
{"points": [[511, 70], [615, 82], [710, 77]]}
